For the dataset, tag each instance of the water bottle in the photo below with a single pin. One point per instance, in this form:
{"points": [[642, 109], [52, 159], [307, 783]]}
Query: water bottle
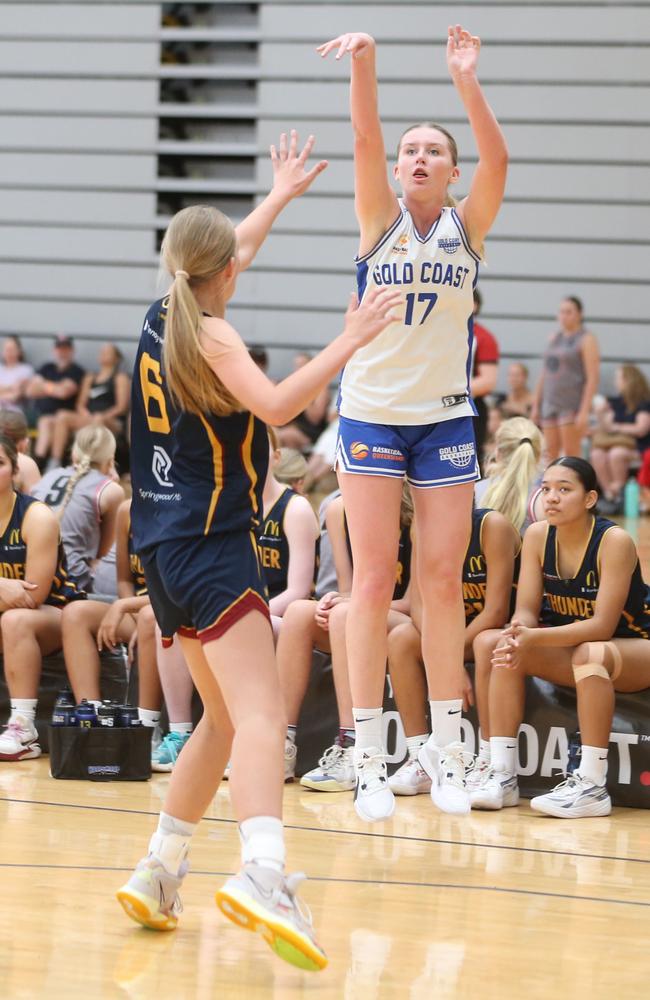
{"points": [[85, 714], [107, 714], [63, 713], [128, 716], [575, 752], [631, 498]]}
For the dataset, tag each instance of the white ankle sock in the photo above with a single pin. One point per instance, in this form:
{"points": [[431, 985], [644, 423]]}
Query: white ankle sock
{"points": [[445, 722], [291, 734], [180, 727], [148, 718], [593, 764], [413, 744], [503, 754], [368, 727], [170, 843], [25, 707], [484, 751], [262, 842]]}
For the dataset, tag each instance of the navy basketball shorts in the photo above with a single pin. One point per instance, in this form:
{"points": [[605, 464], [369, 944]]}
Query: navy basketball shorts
{"points": [[199, 587], [429, 455]]}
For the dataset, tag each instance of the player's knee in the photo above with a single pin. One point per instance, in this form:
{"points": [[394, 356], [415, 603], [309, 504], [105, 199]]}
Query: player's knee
{"points": [[338, 616], [596, 659], [376, 588], [16, 624], [484, 645], [73, 616]]}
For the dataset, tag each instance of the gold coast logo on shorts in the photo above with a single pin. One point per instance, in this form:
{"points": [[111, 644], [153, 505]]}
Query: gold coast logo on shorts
{"points": [[359, 450], [460, 455]]}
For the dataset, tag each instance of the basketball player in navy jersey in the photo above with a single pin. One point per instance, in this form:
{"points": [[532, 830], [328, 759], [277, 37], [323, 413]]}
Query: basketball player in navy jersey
{"points": [[405, 407], [580, 580], [34, 589], [199, 457]]}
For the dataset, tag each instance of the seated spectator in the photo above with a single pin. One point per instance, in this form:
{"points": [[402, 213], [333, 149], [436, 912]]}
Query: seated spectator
{"points": [[286, 541], [323, 454], [86, 498], [13, 424], [582, 620], [103, 399], [34, 588], [15, 373], [54, 387], [512, 478], [623, 431], [518, 401], [644, 483], [302, 432]]}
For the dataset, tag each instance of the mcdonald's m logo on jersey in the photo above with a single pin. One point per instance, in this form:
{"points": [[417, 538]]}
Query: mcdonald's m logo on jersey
{"points": [[14, 537], [591, 580], [476, 564], [272, 529]]}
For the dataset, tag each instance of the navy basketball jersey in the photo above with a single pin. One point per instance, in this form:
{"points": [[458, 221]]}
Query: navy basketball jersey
{"points": [[475, 570], [403, 568], [273, 545], [13, 556], [192, 475], [568, 601]]}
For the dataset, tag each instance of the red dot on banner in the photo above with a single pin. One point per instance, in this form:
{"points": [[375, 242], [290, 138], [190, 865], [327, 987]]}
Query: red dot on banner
{"points": [[645, 777]]}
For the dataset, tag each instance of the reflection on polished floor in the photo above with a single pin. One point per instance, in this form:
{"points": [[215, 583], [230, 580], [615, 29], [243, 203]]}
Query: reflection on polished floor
{"points": [[422, 906]]}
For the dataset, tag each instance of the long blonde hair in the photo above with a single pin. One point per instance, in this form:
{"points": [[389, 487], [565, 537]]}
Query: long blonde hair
{"points": [[512, 470], [199, 243], [94, 445], [635, 387]]}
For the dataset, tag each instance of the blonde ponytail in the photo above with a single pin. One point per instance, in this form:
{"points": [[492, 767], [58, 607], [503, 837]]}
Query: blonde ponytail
{"points": [[94, 445], [512, 473], [199, 243]]}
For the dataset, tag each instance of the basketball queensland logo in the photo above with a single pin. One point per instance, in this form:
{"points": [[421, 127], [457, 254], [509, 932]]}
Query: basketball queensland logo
{"points": [[359, 450], [460, 455]]}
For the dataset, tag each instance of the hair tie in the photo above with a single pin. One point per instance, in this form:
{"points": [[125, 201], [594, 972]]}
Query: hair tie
{"points": [[181, 274], [526, 441]]}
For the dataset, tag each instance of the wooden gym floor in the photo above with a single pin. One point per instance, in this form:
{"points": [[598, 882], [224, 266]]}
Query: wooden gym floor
{"points": [[424, 906]]}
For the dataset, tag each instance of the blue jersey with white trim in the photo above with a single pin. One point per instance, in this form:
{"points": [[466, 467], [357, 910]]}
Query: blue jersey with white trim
{"points": [[192, 475], [417, 371], [568, 601]]}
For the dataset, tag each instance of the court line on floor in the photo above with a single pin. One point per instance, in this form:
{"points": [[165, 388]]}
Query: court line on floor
{"points": [[350, 833], [390, 883]]}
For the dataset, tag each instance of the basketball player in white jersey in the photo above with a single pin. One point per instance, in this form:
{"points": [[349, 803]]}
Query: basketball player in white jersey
{"points": [[405, 406]]}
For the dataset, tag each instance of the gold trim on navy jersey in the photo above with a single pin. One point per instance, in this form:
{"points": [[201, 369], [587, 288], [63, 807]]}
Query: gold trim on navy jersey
{"points": [[247, 459], [217, 462]]}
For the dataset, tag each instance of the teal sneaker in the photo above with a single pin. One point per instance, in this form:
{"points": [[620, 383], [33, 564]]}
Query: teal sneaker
{"points": [[164, 756]]}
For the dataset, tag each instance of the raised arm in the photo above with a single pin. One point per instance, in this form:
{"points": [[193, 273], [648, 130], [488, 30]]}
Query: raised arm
{"points": [[278, 404], [375, 201], [290, 179], [479, 209]]}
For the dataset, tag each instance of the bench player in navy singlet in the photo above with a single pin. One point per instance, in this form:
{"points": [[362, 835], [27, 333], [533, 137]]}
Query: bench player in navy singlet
{"points": [[34, 589], [199, 458], [287, 542], [580, 580], [405, 406]]}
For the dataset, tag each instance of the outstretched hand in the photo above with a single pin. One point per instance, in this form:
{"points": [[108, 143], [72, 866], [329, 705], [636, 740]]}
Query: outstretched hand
{"points": [[290, 176], [356, 43], [462, 52], [379, 308]]}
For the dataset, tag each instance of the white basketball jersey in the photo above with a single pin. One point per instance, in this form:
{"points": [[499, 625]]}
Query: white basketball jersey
{"points": [[417, 371]]}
